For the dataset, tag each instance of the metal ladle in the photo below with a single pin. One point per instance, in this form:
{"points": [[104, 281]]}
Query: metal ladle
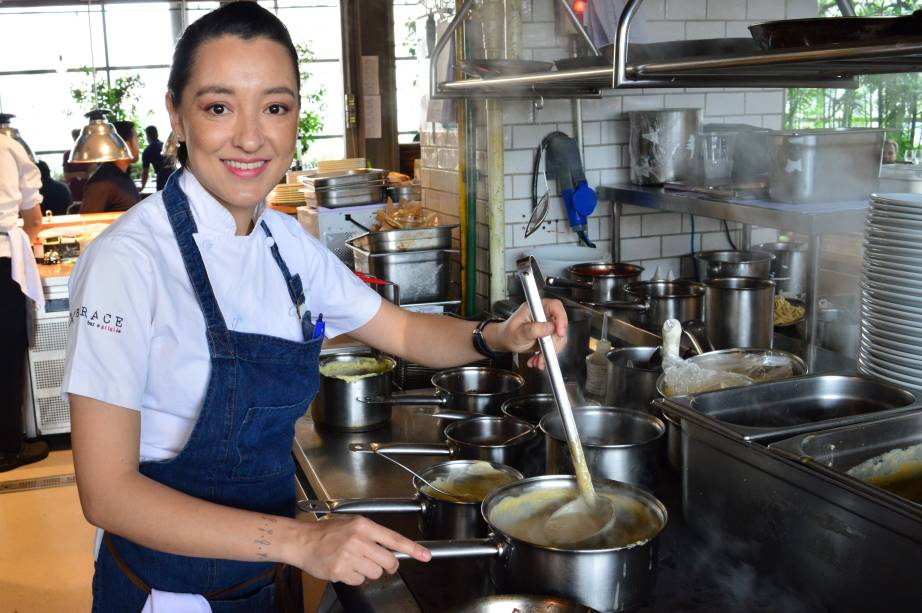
{"points": [[589, 515], [360, 448]]}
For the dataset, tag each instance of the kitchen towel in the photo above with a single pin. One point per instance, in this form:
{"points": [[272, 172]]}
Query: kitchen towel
{"points": [[171, 602]]}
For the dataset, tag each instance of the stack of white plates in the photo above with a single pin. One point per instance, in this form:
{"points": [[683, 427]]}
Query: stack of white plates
{"points": [[890, 342]]}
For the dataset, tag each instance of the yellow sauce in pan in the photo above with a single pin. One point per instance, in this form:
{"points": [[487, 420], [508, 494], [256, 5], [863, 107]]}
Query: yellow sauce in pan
{"points": [[475, 484]]}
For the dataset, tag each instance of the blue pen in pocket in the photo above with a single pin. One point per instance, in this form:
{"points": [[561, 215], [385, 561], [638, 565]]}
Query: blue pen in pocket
{"points": [[319, 327]]}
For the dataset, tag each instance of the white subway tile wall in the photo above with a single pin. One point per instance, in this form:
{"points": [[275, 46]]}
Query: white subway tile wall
{"points": [[649, 238]]}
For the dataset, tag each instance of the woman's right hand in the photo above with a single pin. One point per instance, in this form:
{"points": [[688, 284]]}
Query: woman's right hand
{"points": [[352, 549]]}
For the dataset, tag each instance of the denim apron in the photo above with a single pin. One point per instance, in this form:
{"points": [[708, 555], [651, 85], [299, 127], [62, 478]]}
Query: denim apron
{"points": [[239, 452]]}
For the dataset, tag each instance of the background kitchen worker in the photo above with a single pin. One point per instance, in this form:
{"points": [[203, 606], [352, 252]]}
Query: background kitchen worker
{"points": [[193, 348], [110, 188], [152, 157], [20, 183], [55, 195]]}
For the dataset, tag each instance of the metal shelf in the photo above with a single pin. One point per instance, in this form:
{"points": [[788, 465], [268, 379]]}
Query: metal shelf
{"points": [[803, 218], [812, 219], [827, 66]]}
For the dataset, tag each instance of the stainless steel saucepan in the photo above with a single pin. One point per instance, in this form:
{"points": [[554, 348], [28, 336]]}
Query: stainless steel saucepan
{"points": [[612, 576], [653, 302], [440, 517], [501, 440], [598, 281], [474, 389], [344, 380], [619, 444]]}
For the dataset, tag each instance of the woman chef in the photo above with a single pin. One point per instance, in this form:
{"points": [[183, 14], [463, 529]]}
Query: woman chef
{"points": [[193, 348]]}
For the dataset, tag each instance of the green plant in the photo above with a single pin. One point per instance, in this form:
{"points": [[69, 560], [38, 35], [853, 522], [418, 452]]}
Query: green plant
{"points": [[310, 120], [887, 101], [121, 97]]}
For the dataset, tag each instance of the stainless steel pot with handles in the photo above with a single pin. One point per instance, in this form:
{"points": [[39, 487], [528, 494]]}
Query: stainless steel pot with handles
{"points": [[500, 440], [617, 575], [439, 516], [474, 389], [619, 444], [598, 281], [344, 380]]}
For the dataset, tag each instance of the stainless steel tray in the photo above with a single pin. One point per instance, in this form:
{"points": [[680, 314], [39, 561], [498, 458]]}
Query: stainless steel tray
{"points": [[840, 544], [778, 409], [343, 178], [422, 276], [333, 198], [408, 239], [838, 450]]}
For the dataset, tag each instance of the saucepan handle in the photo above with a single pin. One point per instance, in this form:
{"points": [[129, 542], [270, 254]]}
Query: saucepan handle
{"points": [[361, 505], [451, 415], [401, 448], [404, 400], [470, 548], [624, 305], [561, 282]]}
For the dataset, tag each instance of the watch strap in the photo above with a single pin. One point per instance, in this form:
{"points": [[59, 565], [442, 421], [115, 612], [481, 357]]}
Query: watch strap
{"points": [[480, 343]]}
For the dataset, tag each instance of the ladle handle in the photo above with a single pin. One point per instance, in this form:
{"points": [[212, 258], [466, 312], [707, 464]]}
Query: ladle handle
{"points": [[526, 272], [470, 548], [624, 305]]}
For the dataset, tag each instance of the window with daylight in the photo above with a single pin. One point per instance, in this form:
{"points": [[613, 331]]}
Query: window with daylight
{"points": [[48, 48], [881, 101]]}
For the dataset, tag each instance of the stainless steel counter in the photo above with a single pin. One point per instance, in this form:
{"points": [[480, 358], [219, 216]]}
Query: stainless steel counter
{"points": [[693, 577], [332, 471]]}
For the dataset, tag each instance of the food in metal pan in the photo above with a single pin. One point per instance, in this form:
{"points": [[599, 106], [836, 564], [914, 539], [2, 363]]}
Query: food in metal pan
{"points": [[898, 471], [525, 517], [475, 484], [405, 214], [787, 313], [355, 369]]}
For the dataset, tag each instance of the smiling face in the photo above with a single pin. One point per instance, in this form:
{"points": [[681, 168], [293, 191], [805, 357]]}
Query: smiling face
{"points": [[238, 117]]}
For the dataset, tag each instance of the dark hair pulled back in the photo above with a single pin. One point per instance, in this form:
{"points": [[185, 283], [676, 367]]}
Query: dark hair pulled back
{"points": [[243, 19]]}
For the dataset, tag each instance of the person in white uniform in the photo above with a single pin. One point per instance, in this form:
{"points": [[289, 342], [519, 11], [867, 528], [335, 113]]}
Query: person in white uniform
{"points": [[194, 344], [20, 182]]}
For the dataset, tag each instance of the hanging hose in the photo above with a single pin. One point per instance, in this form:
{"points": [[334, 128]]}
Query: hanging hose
{"points": [[727, 233]]}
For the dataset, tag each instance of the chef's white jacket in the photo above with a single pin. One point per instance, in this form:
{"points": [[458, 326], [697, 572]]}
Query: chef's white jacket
{"points": [[20, 182], [137, 335]]}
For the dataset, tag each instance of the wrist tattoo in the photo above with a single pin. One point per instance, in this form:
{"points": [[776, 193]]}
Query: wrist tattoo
{"points": [[262, 541]]}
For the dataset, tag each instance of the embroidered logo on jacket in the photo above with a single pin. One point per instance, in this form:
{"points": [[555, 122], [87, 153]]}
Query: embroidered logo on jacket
{"points": [[107, 322]]}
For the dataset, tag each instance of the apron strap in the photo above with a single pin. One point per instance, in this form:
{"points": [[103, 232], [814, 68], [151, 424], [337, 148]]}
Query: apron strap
{"points": [[277, 572], [180, 216], [295, 287]]}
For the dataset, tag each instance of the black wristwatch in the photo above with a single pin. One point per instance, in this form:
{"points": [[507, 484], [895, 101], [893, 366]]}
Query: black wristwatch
{"points": [[480, 344]]}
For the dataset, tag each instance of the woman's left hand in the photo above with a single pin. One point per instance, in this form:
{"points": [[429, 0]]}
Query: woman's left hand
{"points": [[519, 333]]}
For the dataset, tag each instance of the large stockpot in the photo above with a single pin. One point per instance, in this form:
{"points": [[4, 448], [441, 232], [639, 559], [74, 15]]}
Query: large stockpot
{"points": [[478, 438], [619, 444], [739, 312], [598, 282], [657, 301], [338, 404], [474, 389], [632, 377], [662, 144], [439, 518], [824, 165], [789, 268], [611, 579], [733, 263]]}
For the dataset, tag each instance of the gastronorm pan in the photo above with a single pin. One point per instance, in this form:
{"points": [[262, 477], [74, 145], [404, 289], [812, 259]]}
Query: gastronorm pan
{"points": [[778, 409], [840, 545], [874, 448]]}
